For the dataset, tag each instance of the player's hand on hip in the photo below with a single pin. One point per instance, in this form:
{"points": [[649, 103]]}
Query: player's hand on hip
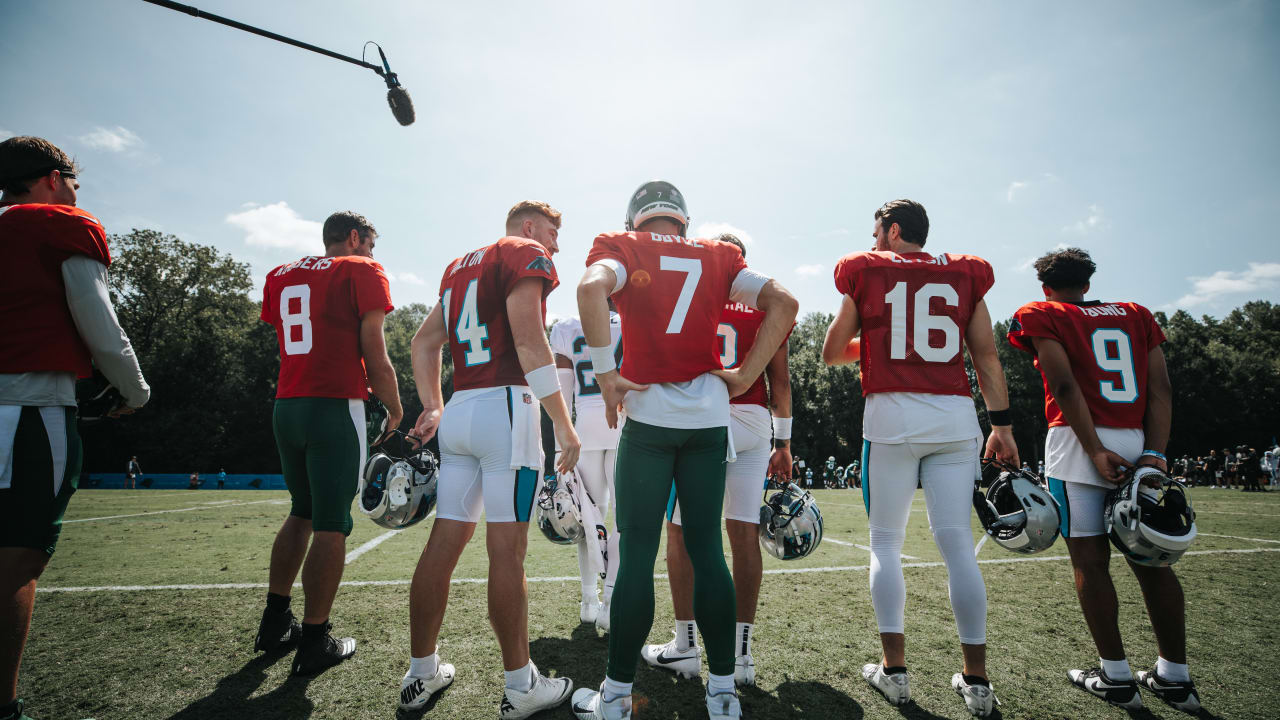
{"points": [[1109, 465], [780, 463], [428, 423], [735, 381], [1000, 443], [570, 448], [614, 388]]}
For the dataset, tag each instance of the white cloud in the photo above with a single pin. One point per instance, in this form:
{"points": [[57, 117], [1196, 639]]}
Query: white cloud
{"points": [[712, 229], [1095, 221], [118, 139], [5, 134], [1014, 187], [1259, 277], [809, 270], [409, 279], [277, 226]]}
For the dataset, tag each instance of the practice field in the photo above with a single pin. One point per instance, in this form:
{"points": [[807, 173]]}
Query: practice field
{"points": [[149, 608]]}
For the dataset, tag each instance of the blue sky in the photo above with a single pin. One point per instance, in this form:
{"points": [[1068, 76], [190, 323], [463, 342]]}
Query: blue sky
{"points": [[1144, 132]]}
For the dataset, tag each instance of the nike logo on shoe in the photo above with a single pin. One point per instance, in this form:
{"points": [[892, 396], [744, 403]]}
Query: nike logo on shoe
{"points": [[662, 658], [411, 692]]}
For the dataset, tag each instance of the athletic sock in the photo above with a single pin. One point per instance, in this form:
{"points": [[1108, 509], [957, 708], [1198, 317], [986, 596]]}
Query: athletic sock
{"points": [[314, 632], [743, 633], [1171, 671], [520, 679], [686, 634], [277, 603], [424, 667], [1116, 669], [975, 680], [894, 669], [717, 684], [614, 689]]}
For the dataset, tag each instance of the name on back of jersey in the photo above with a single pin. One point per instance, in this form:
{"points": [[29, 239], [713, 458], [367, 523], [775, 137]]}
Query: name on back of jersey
{"points": [[307, 263], [934, 260], [676, 239], [1104, 311], [468, 260]]}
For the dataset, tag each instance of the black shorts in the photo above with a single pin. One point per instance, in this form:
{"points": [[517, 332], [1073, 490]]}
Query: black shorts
{"points": [[40, 456]]}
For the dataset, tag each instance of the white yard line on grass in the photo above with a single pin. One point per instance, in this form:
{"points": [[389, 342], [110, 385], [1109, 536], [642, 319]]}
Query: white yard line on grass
{"points": [[981, 542], [354, 554], [178, 510], [575, 578], [863, 547], [1237, 537]]}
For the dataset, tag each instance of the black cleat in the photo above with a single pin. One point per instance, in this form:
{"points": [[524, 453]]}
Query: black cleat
{"points": [[1121, 693], [316, 656], [277, 630], [1178, 695]]}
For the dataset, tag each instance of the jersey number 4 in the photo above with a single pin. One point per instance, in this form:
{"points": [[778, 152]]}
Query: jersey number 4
{"points": [[469, 329], [922, 323]]}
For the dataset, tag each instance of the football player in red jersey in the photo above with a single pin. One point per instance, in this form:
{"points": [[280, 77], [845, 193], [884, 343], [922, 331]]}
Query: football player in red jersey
{"points": [[58, 325], [753, 431], [328, 315], [1108, 400], [491, 313], [671, 292], [914, 313]]}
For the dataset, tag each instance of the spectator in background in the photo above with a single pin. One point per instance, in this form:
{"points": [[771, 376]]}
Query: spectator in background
{"points": [[1214, 469], [194, 483], [222, 478], [132, 473], [1269, 466], [1229, 460]]}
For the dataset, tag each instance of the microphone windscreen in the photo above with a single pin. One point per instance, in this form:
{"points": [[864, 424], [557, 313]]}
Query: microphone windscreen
{"points": [[401, 105]]}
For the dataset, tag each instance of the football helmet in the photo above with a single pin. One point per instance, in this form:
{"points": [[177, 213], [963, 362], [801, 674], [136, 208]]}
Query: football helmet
{"points": [[399, 490], [1016, 511], [559, 517], [1152, 526], [790, 523], [657, 198]]}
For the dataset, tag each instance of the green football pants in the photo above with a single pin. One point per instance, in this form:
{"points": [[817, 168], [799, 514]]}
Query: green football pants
{"points": [[322, 453]]}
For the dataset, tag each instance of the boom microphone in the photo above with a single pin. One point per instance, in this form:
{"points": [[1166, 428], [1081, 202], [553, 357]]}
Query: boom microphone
{"points": [[397, 96]]}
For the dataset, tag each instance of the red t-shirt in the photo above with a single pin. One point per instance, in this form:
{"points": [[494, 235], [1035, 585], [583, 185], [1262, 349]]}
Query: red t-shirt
{"points": [[739, 326], [474, 293], [316, 305], [671, 305], [1108, 345], [914, 310], [39, 333]]}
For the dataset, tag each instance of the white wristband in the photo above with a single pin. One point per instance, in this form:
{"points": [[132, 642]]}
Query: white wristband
{"points": [[601, 359], [543, 381], [781, 428]]}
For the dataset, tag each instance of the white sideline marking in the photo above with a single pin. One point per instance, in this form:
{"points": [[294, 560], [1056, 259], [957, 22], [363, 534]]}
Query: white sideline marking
{"points": [[351, 556], [1237, 537], [219, 502], [828, 502], [981, 542], [575, 578], [863, 547], [1228, 512], [161, 512]]}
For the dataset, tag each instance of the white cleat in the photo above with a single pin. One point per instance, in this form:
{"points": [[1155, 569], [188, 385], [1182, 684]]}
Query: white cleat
{"points": [[589, 610], [980, 699], [546, 693], [724, 705], [744, 671], [1179, 695], [417, 691], [895, 688], [685, 663], [602, 619], [1121, 693], [590, 705]]}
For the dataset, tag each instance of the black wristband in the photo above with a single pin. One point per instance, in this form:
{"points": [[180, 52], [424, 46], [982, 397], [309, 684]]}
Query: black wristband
{"points": [[999, 417]]}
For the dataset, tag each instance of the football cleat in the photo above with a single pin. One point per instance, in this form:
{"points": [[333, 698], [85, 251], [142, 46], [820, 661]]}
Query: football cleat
{"points": [[417, 691], [980, 699], [723, 705], [1121, 693], [602, 618], [1178, 695], [744, 671], [589, 610], [316, 657], [895, 688], [545, 694], [685, 663], [277, 630], [590, 705]]}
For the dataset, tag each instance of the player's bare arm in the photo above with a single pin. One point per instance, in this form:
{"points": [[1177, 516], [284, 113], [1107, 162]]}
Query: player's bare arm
{"points": [[779, 379], [840, 347], [1056, 366], [986, 363], [425, 352], [382, 376], [593, 309], [1159, 414], [780, 308], [524, 311]]}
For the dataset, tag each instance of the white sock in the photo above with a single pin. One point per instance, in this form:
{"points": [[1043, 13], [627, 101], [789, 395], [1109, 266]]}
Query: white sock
{"points": [[743, 633], [1117, 669], [614, 689], [717, 684], [424, 667], [686, 634], [1175, 672], [520, 679]]}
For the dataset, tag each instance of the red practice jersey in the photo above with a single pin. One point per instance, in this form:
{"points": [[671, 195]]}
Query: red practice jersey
{"points": [[474, 293], [39, 333], [316, 305], [739, 326], [671, 305], [914, 310], [1108, 345]]}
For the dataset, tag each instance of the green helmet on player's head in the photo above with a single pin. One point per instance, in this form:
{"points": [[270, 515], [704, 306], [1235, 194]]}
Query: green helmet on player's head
{"points": [[654, 199]]}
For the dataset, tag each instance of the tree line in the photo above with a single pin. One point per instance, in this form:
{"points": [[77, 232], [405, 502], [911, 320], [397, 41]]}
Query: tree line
{"points": [[212, 366]]}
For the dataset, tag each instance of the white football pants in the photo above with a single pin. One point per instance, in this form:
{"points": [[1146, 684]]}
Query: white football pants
{"points": [[595, 470]]}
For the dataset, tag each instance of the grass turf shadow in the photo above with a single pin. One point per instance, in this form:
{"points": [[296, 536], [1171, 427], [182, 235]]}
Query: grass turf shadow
{"points": [[231, 696]]}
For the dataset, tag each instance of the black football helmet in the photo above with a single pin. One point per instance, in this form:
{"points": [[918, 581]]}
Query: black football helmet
{"points": [[657, 198]]}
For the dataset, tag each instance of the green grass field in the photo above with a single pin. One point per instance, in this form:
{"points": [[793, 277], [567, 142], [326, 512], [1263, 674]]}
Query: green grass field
{"points": [[113, 639]]}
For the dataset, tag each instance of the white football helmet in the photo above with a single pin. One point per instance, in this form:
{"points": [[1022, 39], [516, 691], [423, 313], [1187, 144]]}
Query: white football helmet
{"points": [[1017, 511], [396, 492], [559, 517], [790, 524], [1152, 526]]}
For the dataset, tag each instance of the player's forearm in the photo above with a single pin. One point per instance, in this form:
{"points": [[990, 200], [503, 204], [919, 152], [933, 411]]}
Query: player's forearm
{"points": [[424, 352], [838, 345], [95, 319], [557, 410], [780, 309], [1075, 410], [593, 305], [383, 383], [991, 382], [779, 375]]}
